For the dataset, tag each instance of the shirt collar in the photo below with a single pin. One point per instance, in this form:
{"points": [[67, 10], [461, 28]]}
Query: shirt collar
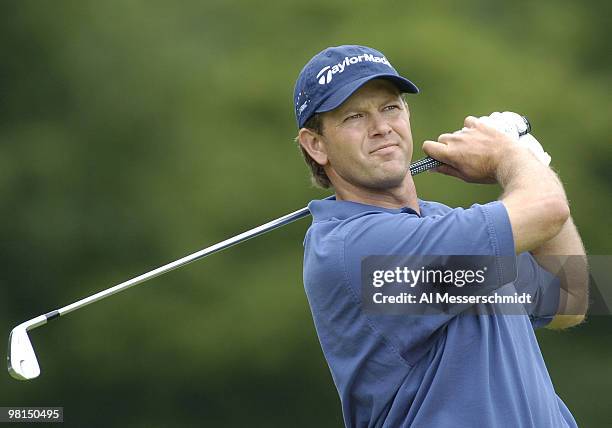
{"points": [[326, 209]]}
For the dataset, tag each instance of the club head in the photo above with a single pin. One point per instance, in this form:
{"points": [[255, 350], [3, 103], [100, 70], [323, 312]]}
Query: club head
{"points": [[22, 362]]}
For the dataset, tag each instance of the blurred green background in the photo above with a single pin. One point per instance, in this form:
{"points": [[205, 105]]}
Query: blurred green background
{"points": [[133, 133]]}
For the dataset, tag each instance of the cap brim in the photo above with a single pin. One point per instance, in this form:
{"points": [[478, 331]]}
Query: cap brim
{"points": [[342, 93]]}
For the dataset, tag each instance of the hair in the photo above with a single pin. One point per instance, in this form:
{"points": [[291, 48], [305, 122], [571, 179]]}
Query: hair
{"points": [[318, 177]]}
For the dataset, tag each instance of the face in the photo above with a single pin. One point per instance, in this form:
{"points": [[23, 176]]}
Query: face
{"points": [[367, 141]]}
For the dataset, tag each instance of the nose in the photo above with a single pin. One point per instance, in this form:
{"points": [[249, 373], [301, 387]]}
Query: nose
{"points": [[379, 126]]}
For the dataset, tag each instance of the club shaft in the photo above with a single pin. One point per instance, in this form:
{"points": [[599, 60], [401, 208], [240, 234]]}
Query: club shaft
{"points": [[418, 167], [274, 224]]}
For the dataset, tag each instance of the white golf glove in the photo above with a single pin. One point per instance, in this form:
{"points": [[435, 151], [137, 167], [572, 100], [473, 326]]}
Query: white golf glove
{"points": [[511, 124]]}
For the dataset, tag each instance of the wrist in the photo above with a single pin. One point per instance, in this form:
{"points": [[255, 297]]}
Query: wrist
{"points": [[512, 161]]}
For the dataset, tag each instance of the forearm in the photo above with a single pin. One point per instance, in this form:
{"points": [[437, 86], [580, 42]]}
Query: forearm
{"points": [[567, 242], [534, 198], [550, 242], [564, 255], [521, 172]]}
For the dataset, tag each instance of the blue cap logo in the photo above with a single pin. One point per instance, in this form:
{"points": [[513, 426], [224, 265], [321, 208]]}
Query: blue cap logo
{"points": [[332, 76], [339, 68]]}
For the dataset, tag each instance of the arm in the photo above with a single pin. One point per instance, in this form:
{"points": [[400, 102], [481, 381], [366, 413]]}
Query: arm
{"points": [[532, 194], [527, 197], [572, 272], [534, 198]]}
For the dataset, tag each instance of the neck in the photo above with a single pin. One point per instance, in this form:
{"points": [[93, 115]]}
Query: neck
{"points": [[401, 196]]}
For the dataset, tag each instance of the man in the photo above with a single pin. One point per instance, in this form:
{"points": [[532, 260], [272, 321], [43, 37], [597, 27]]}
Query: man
{"points": [[428, 371]]}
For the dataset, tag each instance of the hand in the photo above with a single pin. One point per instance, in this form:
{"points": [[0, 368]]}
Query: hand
{"points": [[511, 124], [473, 154]]}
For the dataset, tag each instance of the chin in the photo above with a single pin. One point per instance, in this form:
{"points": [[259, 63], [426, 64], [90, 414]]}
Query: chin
{"points": [[394, 172], [389, 181]]}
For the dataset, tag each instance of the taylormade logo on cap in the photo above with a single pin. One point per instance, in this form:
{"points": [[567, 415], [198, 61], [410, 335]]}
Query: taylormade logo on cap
{"points": [[327, 73]]}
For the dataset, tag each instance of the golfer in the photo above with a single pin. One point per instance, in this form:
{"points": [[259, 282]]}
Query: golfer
{"points": [[430, 370]]}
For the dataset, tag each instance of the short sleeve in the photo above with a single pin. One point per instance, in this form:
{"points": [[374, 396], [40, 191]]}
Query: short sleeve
{"points": [[479, 230], [544, 288]]}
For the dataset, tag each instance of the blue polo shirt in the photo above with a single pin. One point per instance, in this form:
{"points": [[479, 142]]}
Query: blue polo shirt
{"points": [[433, 370]]}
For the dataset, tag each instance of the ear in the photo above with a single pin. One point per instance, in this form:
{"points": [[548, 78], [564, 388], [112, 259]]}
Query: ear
{"points": [[313, 144]]}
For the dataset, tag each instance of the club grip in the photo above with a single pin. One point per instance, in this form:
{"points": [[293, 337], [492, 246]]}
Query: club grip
{"points": [[428, 163]]}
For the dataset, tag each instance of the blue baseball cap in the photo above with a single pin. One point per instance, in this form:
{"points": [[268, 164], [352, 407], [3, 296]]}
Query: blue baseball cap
{"points": [[332, 75]]}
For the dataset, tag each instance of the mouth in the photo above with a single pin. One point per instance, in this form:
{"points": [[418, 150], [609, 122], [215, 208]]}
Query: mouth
{"points": [[385, 148]]}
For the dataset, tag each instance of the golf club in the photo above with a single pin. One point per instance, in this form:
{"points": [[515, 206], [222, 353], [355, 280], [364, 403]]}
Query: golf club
{"points": [[22, 362]]}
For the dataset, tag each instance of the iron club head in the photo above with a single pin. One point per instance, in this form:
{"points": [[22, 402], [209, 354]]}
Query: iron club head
{"points": [[22, 362]]}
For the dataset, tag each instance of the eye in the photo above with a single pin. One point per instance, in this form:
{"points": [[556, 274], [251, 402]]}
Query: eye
{"points": [[392, 107], [353, 116]]}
